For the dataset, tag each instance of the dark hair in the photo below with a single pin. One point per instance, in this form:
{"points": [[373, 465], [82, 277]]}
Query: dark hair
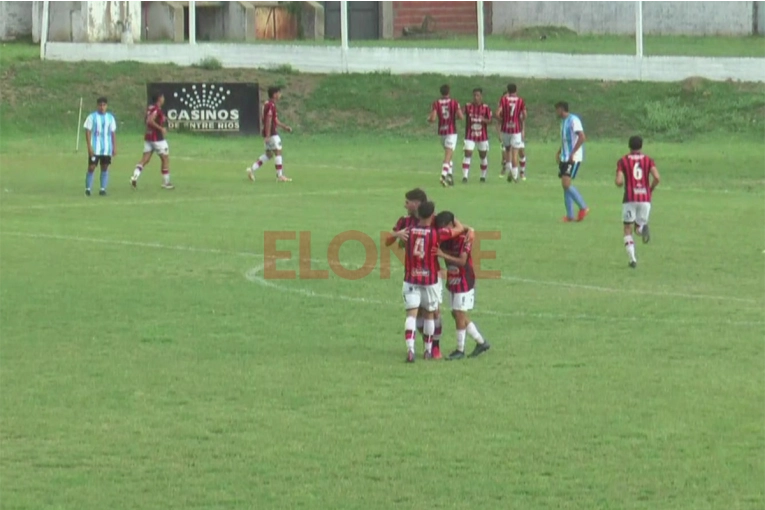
{"points": [[272, 91], [426, 210], [155, 97], [478, 89], [511, 88], [102, 100], [416, 194], [636, 143], [562, 105], [445, 90], [444, 218]]}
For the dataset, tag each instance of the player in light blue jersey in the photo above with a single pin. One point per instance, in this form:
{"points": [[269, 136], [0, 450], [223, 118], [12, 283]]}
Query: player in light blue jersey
{"points": [[569, 158], [100, 127]]}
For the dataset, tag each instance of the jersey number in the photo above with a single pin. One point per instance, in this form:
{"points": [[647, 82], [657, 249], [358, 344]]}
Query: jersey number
{"points": [[512, 109], [637, 172], [419, 248], [445, 112]]}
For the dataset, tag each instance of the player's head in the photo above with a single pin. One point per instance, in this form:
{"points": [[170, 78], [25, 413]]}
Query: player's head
{"points": [[445, 90], [413, 200], [636, 143], [158, 99], [102, 104], [425, 210], [561, 109], [445, 219], [512, 88], [478, 95], [274, 93]]}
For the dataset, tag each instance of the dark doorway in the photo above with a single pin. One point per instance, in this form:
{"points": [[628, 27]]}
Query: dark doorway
{"points": [[363, 20]]}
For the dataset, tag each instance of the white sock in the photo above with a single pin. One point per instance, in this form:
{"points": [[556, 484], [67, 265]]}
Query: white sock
{"points": [[262, 160], [445, 169], [484, 167], [279, 168], [474, 334], [428, 328], [461, 340], [137, 172], [639, 229], [514, 172], [629, 244], [509, 168], [166, 177], [409, 328], [437, 329], [451, 167], [465, 166]]}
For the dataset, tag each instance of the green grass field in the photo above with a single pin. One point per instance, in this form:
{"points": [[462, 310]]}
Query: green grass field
{"points": [[147, 364]]}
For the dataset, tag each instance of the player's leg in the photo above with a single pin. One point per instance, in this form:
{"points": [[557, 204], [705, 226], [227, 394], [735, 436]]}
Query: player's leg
{"points": [[89, 174], [437, 294], [276, 147], [412, 303], [575, 195], [628, 219], [564, 172], [641, 219], [483, 153], [522, 161], [104, 177], [262, 160], [164, 155], [148, 151], [468, 156], [429, 299]]}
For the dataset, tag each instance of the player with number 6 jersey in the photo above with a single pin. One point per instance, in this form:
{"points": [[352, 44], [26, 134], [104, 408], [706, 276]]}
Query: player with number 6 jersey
{"points": [[632, 172], [478, 115], [460, 280], [447, 111]]}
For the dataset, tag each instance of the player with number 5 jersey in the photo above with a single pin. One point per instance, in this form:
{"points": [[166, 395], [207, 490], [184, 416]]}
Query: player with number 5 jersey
{"points": [[632, 172], [447, 111]]}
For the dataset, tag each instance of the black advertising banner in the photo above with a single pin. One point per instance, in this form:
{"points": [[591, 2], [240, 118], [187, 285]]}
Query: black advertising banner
{"points": [[232, 108]]}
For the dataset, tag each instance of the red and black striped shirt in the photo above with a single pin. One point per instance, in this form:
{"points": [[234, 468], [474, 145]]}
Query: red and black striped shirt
{"points": [[475, 128], [421, 262], [269, 109], [459, 279], [153, 134], [446, 108], [636, 168], [511, 107]]}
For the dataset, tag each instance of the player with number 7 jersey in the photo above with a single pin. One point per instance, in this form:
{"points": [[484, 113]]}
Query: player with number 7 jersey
{"points": [[632, 172]]}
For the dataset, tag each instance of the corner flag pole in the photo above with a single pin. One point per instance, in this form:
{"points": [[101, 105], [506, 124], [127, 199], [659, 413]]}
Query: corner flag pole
{"points": [[79, 126]]}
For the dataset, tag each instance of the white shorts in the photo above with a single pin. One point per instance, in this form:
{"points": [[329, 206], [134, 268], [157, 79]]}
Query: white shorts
{"points": [[470, 145], [426, 297], [513, 140], [274, 143], [636, 212], [440, 291], [160, 147], [463, 301], [449, 141]]}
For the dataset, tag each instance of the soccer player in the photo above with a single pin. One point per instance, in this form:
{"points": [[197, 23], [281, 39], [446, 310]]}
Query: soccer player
{"points": [[569, 157], [422, 288], [460, 281], [512, 116], [478, 116], [270, 122], [447, 111], [154, 141], [632, 172], [100, 127], [413, 199]]}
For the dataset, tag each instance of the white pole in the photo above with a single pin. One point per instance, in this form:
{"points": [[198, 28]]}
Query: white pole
{"points": [[79, 126], [479, 18], [344, 34], [44, 29], [192, 22], [639, 28]]}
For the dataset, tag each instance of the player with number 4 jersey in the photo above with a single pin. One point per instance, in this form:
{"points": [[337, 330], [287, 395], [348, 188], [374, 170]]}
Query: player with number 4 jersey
{"points": [[447, 111], [632, 172]]}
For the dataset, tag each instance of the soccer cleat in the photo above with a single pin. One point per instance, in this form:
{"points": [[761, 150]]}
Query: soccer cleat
{"points": [[443, 181], [480, 349], [410, 357], [102, 192], [450, 179], [633, 264], [523, 176], [456, 355], [134, 182], [250, 174], [283, 178], [464, 180], [427, 355], [583, 214], [87, 192], [436, 352], [645, 233], [566, 219], [483, 179], [168, 186]]}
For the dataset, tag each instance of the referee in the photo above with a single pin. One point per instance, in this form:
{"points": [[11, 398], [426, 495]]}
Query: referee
{"points": [[102, 144]]}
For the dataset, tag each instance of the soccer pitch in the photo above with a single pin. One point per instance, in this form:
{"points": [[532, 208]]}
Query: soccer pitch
{"points": [[146, 362]]}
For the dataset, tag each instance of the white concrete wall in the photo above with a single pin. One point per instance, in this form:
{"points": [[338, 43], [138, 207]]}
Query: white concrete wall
{"points": [[659, 18], [15, 20], [328, 59], [88, 21]]}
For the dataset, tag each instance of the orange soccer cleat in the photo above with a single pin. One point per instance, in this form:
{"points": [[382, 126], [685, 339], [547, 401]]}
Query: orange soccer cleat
{"points": [[583, 214]]}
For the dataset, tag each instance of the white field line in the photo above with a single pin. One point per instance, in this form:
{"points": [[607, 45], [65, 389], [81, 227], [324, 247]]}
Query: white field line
{"points": [[191, 249]]}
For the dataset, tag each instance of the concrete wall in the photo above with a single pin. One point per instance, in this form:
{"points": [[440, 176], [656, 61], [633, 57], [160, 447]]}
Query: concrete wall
{"points": [[15, 20], [659, 18], [332, 59], [88, 21]]}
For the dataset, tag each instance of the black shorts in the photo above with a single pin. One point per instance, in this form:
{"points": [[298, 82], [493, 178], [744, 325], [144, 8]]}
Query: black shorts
{"points": [[104, 160], [568, 169]]}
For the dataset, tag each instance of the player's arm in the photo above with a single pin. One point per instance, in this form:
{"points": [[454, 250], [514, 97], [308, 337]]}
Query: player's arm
{"points": [[523, 122], [433, 114], [580, 139], [283, 125], [619, 181], [397, 235], [88, 139], [457, 261], [267, 123], [113, 134], [654, 177], [460, 115], [152, 123]]}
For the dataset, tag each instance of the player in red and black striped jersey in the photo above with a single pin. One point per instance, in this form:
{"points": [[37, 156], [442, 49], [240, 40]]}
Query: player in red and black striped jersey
{"points": [[511, 115], [632, 172], [478, 115], [460, 280], [154, 141], [446, 110], [422, 286]]}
